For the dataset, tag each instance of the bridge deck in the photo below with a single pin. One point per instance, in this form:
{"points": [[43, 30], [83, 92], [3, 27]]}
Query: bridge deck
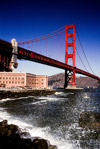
{"points": [[6, 49], [32, 56]]}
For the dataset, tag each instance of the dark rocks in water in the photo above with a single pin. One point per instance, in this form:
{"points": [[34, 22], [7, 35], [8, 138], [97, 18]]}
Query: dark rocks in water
{"points": [[25, 135], [10, 137], [4, 122], [24, 93], [52, 147], [89, 119], [40, 143]]}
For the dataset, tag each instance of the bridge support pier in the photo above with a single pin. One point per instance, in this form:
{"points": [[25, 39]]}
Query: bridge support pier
{"points": [[66, 79], [98, 83], [69, 79], [13, 63]]}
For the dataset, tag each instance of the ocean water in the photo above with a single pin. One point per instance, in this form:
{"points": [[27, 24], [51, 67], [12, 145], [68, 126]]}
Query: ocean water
{"points": [[55, 117]]}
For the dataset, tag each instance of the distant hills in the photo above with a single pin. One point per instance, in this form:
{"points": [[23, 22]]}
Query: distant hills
{"points": [[57, 81]]}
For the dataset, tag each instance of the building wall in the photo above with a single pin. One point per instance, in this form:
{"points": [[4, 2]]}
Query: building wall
{"points": [[11, 79], [36, 80], [30, 80]]}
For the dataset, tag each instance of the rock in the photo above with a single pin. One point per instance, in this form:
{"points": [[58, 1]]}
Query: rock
{"points": [[24, 93], [40, 144], [11, 137], [9, 132], [52, 147], [89, 119], [25, 135], [4, 122]]}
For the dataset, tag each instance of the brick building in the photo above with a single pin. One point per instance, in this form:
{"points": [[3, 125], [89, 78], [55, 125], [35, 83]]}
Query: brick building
{"points": [[15, 79]]}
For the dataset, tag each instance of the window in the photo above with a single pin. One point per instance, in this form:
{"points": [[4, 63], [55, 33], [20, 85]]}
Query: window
{"points": [[13, 78], [15, 82], [9, 81], [6, 77], [3, 77], [12, 81], [22, 82]]}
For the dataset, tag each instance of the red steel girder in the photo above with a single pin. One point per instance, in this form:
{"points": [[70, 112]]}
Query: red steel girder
{"points": [[32, 56]]}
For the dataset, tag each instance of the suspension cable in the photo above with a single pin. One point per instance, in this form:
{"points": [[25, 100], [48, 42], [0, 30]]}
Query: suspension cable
{"points": [[81, 60], [80, 57], [84, 53], [42, 37]]}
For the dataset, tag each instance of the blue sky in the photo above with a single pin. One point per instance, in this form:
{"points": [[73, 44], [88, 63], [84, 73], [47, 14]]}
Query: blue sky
{"points": [[28, 19]]}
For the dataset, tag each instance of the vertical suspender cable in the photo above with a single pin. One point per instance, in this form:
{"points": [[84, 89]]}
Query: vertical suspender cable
{"points": [[84, 53]]}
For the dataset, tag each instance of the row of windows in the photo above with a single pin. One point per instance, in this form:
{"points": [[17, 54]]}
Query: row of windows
{"points": [[33, 78], [34, 83], [12, 82], [16, 78], [36, 80], [39, 79]]}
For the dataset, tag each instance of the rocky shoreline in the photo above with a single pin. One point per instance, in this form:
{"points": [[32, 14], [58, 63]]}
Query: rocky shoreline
{"points": [[12, 137], [24, 93]]}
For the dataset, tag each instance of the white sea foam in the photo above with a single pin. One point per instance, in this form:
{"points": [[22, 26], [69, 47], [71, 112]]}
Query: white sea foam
{"points": [[61, 94], [50, 98], [39, 102], [56, 96], [35, 131], [85, 95], [43, 133], [7, 99], [11, 99]]}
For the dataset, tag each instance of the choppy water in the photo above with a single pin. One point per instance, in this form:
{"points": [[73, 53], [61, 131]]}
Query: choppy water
{"points": [[55, 117]]}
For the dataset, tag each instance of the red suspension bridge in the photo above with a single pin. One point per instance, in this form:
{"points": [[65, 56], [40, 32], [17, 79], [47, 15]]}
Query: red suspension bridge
{"points": [[55, 49]]}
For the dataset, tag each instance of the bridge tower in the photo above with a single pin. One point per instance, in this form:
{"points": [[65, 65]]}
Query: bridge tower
{"points": [[70, 46]]}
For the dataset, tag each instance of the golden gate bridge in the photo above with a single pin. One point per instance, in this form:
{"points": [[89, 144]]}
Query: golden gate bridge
{"points": [[55, 49]]}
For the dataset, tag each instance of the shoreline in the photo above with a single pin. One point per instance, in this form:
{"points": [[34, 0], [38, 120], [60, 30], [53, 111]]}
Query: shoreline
{"points": [[4, 94], [11, 137], [11, 134]]}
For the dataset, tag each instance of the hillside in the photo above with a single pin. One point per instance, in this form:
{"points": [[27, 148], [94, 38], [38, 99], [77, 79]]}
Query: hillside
{"points": [[81, 82]]}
